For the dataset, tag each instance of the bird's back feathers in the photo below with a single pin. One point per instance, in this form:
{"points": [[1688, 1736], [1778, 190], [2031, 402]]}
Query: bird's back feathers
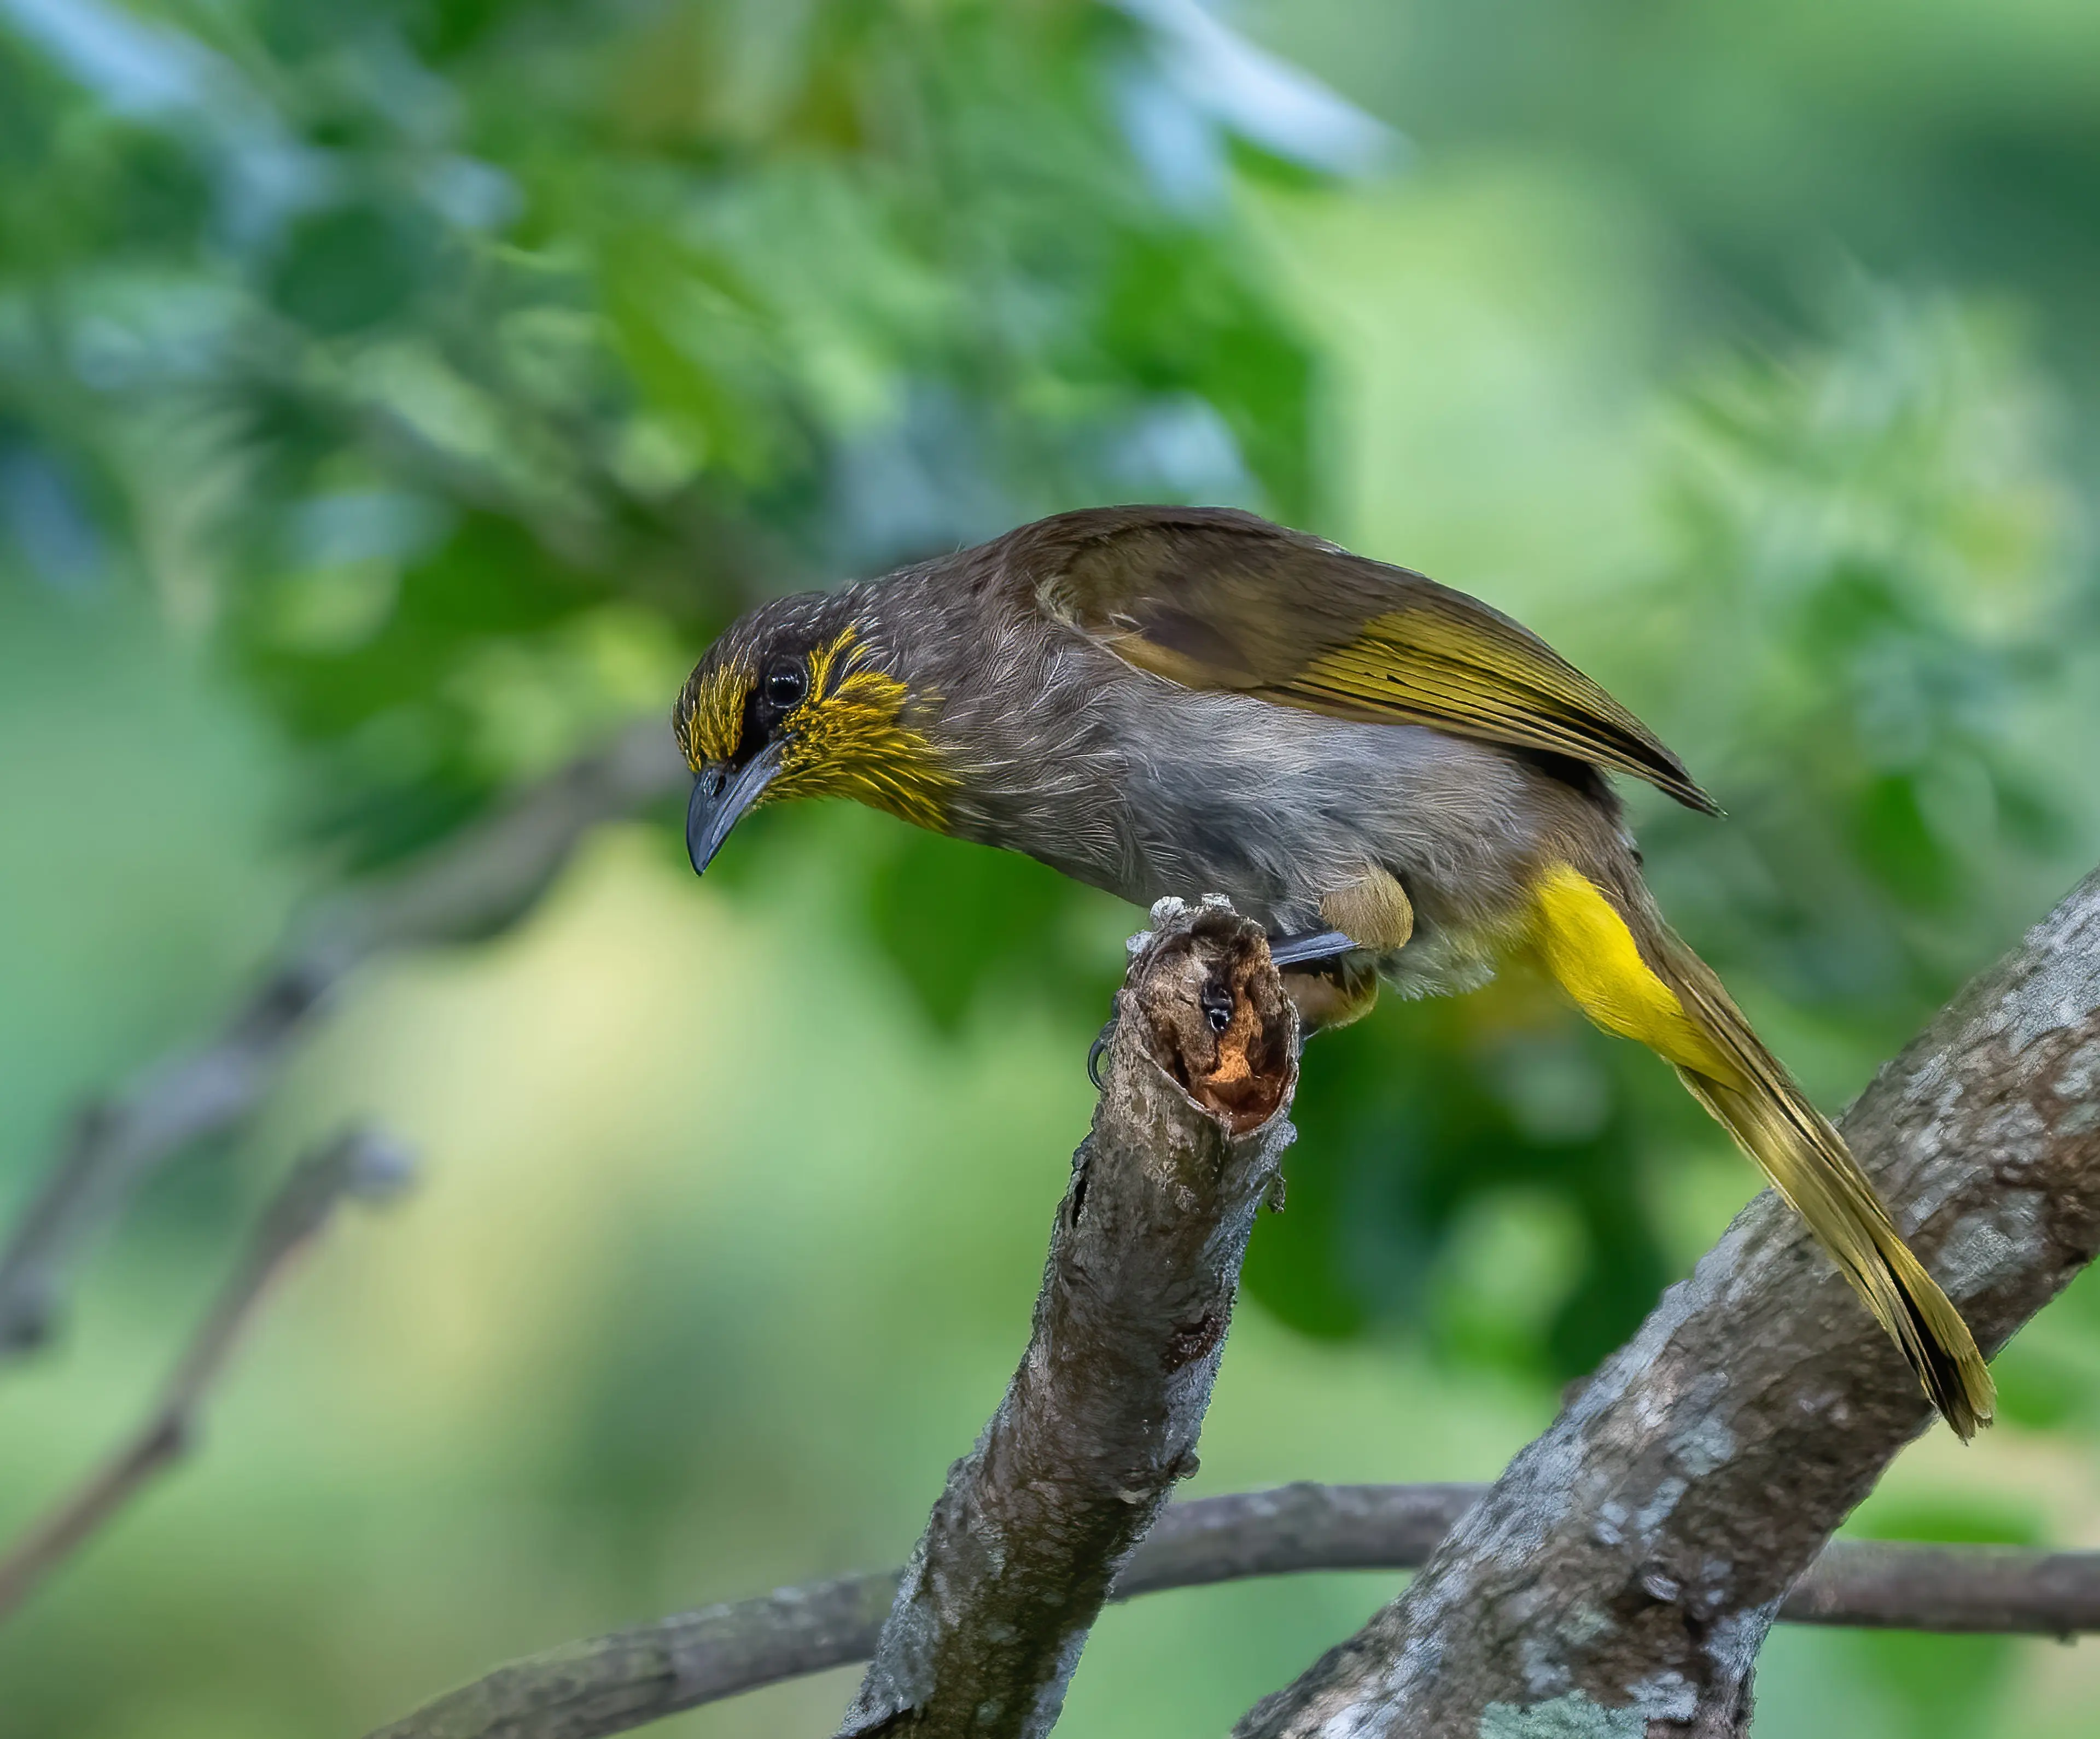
{"points": [[1215, 599]]}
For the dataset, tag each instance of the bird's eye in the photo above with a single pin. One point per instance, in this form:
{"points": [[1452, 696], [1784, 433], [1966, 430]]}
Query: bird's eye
{"points": [[786, 683]]}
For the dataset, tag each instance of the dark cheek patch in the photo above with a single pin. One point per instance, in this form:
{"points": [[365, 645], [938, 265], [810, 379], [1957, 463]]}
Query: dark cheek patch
{"points": [[750, 736]]}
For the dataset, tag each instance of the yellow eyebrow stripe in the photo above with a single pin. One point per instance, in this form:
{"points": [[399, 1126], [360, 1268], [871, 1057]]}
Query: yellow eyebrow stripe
{"points": [[716, 722]]}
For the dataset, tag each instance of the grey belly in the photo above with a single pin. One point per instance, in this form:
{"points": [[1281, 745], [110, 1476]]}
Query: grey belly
{"points": [[1274, 807]]}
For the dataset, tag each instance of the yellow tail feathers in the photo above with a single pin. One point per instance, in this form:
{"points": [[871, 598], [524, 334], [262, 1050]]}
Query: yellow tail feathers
{"points": [[1663, 994]]}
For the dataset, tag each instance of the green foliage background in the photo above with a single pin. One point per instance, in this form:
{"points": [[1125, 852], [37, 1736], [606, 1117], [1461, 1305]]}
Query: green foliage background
{"points": [[393, 400]]}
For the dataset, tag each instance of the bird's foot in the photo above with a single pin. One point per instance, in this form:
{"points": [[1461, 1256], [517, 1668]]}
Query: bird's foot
{"points": [[1309, 947]]}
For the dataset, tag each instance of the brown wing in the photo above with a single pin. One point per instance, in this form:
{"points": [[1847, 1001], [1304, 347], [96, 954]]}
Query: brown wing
{"points": [[1213, 598]]}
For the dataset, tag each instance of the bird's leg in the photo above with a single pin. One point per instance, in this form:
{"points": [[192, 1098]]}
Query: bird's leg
{"points": [[1379, 918], [1373, 912], [1309, 946], [1330, 973]]}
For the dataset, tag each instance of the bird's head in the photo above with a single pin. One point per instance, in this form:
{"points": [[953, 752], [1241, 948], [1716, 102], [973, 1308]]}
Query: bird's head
{"points": [[799, 699]]}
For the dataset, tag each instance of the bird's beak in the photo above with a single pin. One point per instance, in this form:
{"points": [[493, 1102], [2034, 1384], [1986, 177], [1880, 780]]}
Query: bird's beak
{"points": [[720, 798]]}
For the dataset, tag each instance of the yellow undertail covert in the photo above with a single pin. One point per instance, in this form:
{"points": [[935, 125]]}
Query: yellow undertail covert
{"points": [[1586, 947]]}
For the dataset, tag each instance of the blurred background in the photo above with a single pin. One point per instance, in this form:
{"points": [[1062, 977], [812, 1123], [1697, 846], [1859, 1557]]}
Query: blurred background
{"points": [[394, 399]]}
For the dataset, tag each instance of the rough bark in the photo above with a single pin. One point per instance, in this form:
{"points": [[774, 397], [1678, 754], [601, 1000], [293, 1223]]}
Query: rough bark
{"points": [[1622, 1575], [609, 1684], [1102, 1416]]}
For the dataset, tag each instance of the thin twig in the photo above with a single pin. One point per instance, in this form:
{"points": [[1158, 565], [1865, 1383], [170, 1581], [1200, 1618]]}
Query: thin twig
{"points": [[612, 1684], [358, 1162], [476, 885]]}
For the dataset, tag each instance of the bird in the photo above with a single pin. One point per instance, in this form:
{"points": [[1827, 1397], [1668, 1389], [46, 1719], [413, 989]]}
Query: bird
{"points": [[1399, 783]]}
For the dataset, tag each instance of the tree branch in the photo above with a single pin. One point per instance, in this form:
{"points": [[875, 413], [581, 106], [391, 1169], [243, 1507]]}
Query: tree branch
{"points": [[609, 1684], [1102, 1416], [1981, 1590], [1621, 1576], [358, 1162], [1755, 1404], [477, 884]]}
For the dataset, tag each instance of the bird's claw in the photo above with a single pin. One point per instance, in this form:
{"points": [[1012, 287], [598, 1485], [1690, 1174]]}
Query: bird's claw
{"points": [[1098, 1050]]}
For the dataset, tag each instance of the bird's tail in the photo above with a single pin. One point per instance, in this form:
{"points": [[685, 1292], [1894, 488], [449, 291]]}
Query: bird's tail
{"points": [[1630, 974]]}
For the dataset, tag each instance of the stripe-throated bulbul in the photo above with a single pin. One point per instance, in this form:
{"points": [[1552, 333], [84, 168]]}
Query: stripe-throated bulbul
{"points": [[1396, 780]]}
